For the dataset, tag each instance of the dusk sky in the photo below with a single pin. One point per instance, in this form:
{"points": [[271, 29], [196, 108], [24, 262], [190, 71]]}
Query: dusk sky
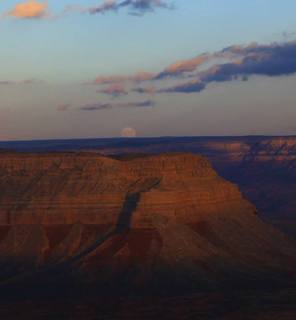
{"points": [[79, 69]]}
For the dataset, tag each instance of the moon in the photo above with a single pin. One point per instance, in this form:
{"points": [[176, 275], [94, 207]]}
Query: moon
{"points": [[128, 132]]}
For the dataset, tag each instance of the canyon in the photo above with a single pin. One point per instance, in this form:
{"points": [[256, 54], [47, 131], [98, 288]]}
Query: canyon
{"points": [[164, 221], [264, 167], [83, 235]]}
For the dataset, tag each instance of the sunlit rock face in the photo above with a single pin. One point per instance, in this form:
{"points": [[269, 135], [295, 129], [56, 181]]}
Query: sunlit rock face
{"points": [[166, 220], [263, 167], [89, 189]]}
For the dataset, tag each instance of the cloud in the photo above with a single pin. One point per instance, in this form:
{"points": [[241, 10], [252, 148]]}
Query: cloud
{"points": [[63, 107], [106, 6], [7, 83], [141, 104], [30, 9], [104, 106], [114, 85], [134, 7], [95, 107], [117, 79], [152, 90], [276, 59], [273, 60], [185, 68], [180, 67], [139, 7], [114, 90], [108, 80], [231, 63], [287, 35], [188, 87], [22, 82], [175, 70]]}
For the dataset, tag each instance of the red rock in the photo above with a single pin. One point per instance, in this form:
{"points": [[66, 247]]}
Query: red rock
{"points": [[156, 220]]}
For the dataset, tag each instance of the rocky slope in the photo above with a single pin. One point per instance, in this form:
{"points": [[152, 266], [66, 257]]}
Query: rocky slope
{"points": [[263, 167], [159, 222]]}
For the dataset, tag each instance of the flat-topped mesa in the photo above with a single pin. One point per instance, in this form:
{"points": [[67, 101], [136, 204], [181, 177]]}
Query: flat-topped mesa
{"points": [[164, 221], [65, 188]]}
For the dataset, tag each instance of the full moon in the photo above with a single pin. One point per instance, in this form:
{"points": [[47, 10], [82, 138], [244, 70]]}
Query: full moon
{"points": [[128, 132]]}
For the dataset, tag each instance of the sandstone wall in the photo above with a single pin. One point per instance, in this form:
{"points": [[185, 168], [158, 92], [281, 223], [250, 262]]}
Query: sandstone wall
{"points": [[90, 189]]}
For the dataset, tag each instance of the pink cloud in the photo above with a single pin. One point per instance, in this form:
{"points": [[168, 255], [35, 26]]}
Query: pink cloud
{"points": [[30, 9], [117, 79], [114, 89]]}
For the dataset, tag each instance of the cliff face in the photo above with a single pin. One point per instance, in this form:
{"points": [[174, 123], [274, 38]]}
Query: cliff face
{"points": [[166, 220], [263, 167], [265, 171], [89, 189]]}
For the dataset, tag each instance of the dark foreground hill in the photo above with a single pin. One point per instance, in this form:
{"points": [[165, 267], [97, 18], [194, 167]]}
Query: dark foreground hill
{"points": [[76, 228]]}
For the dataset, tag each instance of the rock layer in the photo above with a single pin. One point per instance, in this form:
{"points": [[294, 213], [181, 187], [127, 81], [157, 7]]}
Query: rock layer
{"points": [[160, 221], [56, 189], [264, 167]]}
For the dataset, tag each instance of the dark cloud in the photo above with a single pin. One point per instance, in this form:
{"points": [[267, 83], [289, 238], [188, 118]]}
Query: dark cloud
{"points": [[188, 87], [265, 60], [139, 7], [273, 60], [146, 90], [142, 104], [96, 107], [108, 5], [135, 7], [104, 106], [231, 63]]}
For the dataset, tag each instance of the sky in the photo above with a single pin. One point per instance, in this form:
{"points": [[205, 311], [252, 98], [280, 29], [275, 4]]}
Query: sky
{"points": [[94, 68]]}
